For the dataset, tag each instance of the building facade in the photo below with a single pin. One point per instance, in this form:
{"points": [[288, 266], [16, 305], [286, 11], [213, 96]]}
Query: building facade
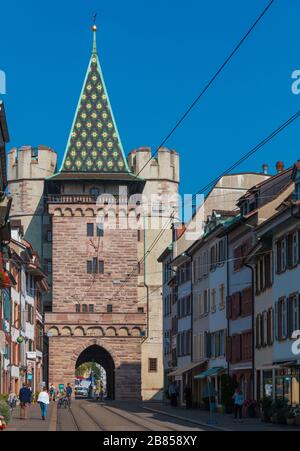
{"points": [[26, 319]]}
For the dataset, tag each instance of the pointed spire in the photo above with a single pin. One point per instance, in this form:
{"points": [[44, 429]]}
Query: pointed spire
{"points": [[94, 28], [94, 144]]}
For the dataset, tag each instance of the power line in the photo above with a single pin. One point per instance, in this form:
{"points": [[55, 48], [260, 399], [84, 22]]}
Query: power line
{"points": [[251, 152], [207, 86]]}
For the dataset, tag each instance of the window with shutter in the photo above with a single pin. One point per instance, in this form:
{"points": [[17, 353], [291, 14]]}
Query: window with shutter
{"points": [[229, 349], [282, 319], [295, 253], [237, 255], [258, 332], [229, 307], [246, 302], [268, 269], [269, 326], [257, 280]]}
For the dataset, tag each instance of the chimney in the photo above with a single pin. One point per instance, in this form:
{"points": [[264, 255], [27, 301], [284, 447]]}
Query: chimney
{"points": [[279, 167], [265, 168]]}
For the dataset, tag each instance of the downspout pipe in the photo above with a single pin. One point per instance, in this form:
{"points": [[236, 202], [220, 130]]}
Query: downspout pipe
{"points": [[253, 334], [145, 280], [228, 291]]}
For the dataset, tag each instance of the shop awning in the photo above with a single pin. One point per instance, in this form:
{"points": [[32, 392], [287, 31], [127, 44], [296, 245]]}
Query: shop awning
{"points": [[187, 368], [210, 372]]}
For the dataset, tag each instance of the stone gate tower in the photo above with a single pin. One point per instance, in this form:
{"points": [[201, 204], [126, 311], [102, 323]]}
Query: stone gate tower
{"points": [[106, 303]]}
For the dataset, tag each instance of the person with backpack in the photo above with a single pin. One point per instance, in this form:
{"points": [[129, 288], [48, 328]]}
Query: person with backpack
{"points": [[69, 392], [52, 392], [25, 397]]}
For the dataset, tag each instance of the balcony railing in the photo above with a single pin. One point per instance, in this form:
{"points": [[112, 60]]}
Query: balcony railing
{"points": [[86, 199]]}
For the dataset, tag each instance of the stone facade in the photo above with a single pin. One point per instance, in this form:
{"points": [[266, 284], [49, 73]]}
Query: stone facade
{"points": [[125, 352]]}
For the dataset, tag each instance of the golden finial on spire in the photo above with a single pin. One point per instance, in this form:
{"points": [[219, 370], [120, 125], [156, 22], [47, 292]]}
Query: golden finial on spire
{"points": [[94, 27]]}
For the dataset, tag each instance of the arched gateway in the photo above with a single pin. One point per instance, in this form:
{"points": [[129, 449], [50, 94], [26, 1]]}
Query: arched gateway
{"points": [[120, 358], [97, 354]]}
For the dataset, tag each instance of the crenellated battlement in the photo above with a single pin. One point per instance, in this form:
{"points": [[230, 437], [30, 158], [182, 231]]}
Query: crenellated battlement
{"points": [[164, 166], [31, 163]]}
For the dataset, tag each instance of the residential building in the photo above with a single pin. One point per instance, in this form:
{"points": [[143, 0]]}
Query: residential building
{"points": [[276, 260], [256, 206], [5, 280], [226, 191], [26, 321], [209, 312]]}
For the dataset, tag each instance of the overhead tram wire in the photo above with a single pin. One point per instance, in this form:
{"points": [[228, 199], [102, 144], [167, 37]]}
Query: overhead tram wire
{"points": [[208, 85], [250, 153]]}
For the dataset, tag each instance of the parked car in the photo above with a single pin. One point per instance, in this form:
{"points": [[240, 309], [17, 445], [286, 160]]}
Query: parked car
{"points": [[81, 392]]}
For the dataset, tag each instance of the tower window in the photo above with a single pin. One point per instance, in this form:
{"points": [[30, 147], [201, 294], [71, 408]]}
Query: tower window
{"points": [[141, 310], [89, 267], [109, 308], [34, 153], [90, 229], [101, 266], [77, 308], [152, 365], [84, 308], [91, 308]]}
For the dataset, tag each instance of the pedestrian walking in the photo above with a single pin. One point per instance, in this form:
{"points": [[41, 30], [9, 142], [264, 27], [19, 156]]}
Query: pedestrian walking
{"points": [[69, 392], [188, 395], [44, 401], [101, 393], [173, 393], [52, 392], [25, 397], [239, 400]]}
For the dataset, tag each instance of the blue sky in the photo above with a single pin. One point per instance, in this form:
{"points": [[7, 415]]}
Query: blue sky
{"points": [[156, 57]]}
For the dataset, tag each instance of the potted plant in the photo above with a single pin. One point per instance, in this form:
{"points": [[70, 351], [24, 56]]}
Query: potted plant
{"points": [[266, 408], [297, 415], [290, 418], [250, 406], [4, 414], [279, 412]]}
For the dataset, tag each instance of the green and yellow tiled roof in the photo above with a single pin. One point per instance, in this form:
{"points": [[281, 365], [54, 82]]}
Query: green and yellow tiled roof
{"points": [[94, 144]]}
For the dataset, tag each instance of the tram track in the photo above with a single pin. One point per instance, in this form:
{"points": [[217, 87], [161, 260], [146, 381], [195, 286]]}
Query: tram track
{"points": [[88, 416], [91, 418]]}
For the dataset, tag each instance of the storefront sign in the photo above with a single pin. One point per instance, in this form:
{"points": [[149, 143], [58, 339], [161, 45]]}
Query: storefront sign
{"points": [[31, 355]]}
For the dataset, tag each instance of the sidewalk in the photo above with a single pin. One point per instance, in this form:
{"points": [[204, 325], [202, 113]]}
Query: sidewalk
{"points": [[222, 422], [34, 421]]}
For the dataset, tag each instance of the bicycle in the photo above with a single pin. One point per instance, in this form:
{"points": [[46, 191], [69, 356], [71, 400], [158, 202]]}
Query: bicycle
{"points": [[63, 402]]}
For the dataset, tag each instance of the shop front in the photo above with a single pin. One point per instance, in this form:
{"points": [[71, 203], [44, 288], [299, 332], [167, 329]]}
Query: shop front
{"points": [[184, 377], [210, 386], [286, 383], [280, 382]]}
